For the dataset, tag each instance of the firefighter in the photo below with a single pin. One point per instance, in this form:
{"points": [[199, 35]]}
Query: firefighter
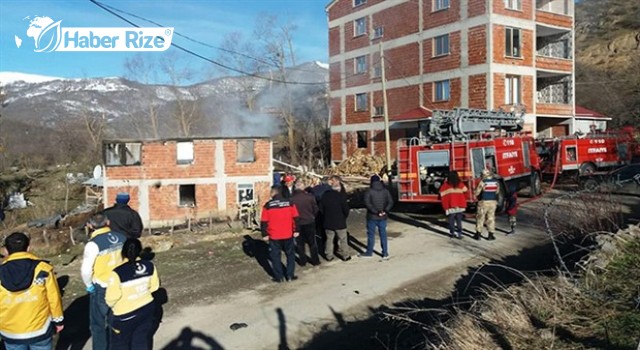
{"points": [[279, 226], [487, 193]]}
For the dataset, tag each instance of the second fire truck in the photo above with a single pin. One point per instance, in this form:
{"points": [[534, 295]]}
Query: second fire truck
{"points": [[467, 141]]}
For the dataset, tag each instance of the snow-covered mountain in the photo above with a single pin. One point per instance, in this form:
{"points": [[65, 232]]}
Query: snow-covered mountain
{"points": [[45, 101]]}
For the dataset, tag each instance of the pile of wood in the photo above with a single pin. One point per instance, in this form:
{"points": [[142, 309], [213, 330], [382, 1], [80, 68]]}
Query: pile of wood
{"points": [[360, 163]]}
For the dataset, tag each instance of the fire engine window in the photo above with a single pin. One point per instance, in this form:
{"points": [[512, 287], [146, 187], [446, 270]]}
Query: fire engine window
{"points": [[571, 154], [187, 195], [184, 152], [117, 154], [246, 151], [434, 159], [362, 139], [477, 155], [490, 159]]}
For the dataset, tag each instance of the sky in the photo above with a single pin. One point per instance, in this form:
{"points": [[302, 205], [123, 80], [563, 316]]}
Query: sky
{"points": [[207, 21]]}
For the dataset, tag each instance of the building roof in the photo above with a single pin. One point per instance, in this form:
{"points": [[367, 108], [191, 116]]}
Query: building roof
{"points": [[413, 114], [182, 139], [585, 113]]}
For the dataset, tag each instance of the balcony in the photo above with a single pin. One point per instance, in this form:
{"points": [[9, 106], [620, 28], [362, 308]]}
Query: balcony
{"points": [[554, 49], [554, 94], [558, 13]]}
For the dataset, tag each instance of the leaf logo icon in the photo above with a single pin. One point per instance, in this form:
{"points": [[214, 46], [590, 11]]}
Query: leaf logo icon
{"points": [[54, 34]]}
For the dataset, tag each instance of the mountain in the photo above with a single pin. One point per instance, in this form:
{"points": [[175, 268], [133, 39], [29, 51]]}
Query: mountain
{"points": [[7, 78]]}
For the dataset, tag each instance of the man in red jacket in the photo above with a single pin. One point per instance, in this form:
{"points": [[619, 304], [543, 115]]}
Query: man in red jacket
{"points": [[454, 202], [279, 226]]}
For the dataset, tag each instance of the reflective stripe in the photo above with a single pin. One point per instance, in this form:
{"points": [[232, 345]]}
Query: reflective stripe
{"points": [[28, 335]]}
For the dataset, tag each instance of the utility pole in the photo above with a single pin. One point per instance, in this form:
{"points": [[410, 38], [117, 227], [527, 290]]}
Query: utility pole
{"points": [[387, 137]]}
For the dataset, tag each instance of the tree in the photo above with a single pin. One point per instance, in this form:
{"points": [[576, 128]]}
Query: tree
{"points": [[187, 115], [145, 122]]}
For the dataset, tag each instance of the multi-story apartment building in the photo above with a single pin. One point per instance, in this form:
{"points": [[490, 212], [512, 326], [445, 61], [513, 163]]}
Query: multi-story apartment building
{"points": [[441, 54]]}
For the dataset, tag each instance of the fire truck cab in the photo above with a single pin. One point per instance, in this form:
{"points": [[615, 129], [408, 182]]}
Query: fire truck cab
{"points": [[467, 141]]}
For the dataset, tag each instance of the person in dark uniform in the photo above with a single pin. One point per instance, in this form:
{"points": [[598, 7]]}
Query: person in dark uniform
{"points": [[124, 219], [279, 226], [307, 209]]}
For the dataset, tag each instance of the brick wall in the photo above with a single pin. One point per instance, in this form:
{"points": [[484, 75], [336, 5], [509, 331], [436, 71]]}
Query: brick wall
{"points": [[477, 8], [402, 61], [335, 76], [398, 21], [525, 13], [352, 42], [478, 91], [164, 203], [336, 146], [554, 109], [334, 41], [134, 201], [400, 99], [556, 64], [446, 62], [335, 107], [261, 166], [477, 45], [454, 99], [353, 116], [554, 19], [353, 79], [342, 8], [438, 18], [526, 47]]}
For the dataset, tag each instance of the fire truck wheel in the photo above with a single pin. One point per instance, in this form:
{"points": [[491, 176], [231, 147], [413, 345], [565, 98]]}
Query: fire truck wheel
{"points": [[590, 185], [587, 169], [536, 185]]}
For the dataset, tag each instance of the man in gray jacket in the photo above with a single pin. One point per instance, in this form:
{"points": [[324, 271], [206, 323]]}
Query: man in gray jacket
{"points": [[378, 201]]}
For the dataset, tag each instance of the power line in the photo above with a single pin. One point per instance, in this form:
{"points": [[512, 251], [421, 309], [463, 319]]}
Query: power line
{"points": [[214, 62]]}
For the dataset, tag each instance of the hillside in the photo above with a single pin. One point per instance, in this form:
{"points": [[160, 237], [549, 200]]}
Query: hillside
{"points": [[608, 57]]}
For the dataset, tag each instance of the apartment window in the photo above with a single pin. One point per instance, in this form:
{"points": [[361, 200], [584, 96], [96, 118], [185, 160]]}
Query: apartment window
{"points": [[184, 152], [441, 45], [187, 194], [361, 102], [513, 4], [245, 151], [442, 91], [118, 154], [359, 2], [440, 5], [360, 26], [377, 71], [512, 42], [360, 64], [378, 111], [512, 90], [362, 139], [378, 32]]}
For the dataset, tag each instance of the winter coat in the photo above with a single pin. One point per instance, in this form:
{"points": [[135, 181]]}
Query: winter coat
{"points": [[453, 197], [320, 190], [377, 200], [279, 219], [123, 219], [335, 210], [306, 205]]}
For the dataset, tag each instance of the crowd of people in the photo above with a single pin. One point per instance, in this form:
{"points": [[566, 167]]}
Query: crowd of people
{"points": [[120, 284]]}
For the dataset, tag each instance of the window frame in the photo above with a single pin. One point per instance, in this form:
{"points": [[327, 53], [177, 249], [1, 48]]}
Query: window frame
{"points": [[508, 42], [516, 8], [355, 27], [436, 45], [246, 186], [509, 97], [357, 3], [362, 142], [448, 90], [359, 68], [377, 71], [185, 161], [378, 32], [243, 143], [436, 8], [182, 204], [366, 102], [375, 111], [120, 151]]}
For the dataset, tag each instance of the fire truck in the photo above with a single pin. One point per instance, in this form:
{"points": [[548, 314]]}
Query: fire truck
{"points": [[583, 155], [467, 141]]}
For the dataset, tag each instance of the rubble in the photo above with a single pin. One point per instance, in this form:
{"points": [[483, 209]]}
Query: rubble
{"points": [[359, 164]]}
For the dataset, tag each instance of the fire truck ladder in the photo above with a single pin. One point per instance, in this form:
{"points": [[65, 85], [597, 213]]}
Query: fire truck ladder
{"points": [[460, 123], [405, 166]]}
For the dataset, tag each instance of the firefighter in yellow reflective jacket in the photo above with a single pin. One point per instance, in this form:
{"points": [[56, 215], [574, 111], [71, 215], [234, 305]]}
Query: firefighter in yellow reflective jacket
{"points": [[30, 304], [487, 192], [101, 255], [129, 295]]}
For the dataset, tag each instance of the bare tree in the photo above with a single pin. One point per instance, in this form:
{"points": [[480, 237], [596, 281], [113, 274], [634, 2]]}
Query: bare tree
{"points": [[143, 70], [187, 115]]}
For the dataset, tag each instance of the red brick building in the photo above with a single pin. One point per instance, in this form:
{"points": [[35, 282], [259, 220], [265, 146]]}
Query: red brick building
{"points": [[172, 180], [441, 54]]}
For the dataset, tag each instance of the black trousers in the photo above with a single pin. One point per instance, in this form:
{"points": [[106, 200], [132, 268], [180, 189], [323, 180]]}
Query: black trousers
{"points": [[307, 237], [133, 331], [276, 247]]}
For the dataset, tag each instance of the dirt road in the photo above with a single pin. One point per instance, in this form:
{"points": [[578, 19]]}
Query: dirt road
{"points": [[287, 315]]}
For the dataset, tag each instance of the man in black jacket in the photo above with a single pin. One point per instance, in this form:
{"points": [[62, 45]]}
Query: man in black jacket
{"points": [[335, 210], [378, 201], [307, 210], [123, 219]]}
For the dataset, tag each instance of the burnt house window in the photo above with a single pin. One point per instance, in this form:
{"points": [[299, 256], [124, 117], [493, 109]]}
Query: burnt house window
{"points": [[184, 152], [245, 193], [125, 153], [246, 151], [187, 194], [362, 139]]}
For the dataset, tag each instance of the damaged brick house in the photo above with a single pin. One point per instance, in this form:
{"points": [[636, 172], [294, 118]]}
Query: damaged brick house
{"points": [[171, 180]]}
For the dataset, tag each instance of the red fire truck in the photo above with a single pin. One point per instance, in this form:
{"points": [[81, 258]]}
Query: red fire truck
{"points": [[575, 155], [467, 141]]}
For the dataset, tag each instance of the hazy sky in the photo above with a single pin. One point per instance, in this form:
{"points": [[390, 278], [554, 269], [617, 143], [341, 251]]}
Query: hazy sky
{"points": [[207, 21]]}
